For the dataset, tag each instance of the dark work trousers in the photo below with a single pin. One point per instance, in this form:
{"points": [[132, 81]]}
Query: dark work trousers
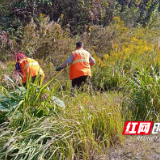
{"points": [[80, 82]]}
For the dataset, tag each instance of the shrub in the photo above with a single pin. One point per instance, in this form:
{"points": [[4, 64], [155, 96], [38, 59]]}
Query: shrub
{"points": [[143, 92], [88, 125]]}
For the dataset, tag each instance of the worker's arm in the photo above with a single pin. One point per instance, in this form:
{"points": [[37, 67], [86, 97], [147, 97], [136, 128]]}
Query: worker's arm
{"points": [[17, 67], [17, 73], [69, 61], [91, 60], [66, 63]]}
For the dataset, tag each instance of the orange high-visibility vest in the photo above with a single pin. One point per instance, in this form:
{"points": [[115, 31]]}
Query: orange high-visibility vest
{"points": [[80, 65], [30, 68]]}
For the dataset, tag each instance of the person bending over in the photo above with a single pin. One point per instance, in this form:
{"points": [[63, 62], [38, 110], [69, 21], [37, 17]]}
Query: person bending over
{"points": [[28, 68]]}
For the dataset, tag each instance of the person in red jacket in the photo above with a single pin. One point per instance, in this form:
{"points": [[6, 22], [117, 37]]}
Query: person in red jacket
{"points": [[80, 62], [28, 68]]}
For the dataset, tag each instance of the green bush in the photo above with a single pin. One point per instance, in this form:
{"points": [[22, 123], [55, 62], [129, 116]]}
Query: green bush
{"points": [[143, 91], [88, 125]]}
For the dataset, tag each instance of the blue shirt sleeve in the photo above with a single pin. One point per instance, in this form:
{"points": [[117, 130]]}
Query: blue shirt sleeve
{"points": [[17, 66], [70, 59], [67, 62]]}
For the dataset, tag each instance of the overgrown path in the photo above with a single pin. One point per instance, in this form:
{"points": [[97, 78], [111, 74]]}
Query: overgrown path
{"points": [[136, 148]]}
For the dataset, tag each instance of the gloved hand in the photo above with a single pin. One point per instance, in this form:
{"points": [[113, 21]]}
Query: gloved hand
{"points": [[58, 68]]}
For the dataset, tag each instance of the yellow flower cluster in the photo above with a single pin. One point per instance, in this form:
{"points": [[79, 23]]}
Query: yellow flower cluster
{"points": [[136, 51]]}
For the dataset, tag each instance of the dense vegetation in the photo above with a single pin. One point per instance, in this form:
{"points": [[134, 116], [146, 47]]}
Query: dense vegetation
{"points": [[123, 37]]}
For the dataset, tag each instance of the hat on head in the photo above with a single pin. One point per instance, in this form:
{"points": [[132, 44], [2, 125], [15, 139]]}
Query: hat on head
{"points": [[19, 56]]}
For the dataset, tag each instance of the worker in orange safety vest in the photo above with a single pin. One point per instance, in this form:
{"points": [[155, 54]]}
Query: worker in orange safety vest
{"points": [[28, 68], [80, 62]]}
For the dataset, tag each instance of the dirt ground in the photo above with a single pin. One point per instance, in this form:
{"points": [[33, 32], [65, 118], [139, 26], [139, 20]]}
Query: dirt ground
{"points": [[136, 148]]}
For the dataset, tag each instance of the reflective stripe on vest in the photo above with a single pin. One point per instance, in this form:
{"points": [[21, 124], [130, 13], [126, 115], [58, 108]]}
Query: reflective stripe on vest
{"points": [[30, 64], [80, 60], [80, 65], [30, 68]]}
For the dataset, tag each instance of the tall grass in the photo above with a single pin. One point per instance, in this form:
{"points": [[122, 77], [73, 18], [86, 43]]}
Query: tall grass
{"points": [[143, 92], [39, 129]]}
